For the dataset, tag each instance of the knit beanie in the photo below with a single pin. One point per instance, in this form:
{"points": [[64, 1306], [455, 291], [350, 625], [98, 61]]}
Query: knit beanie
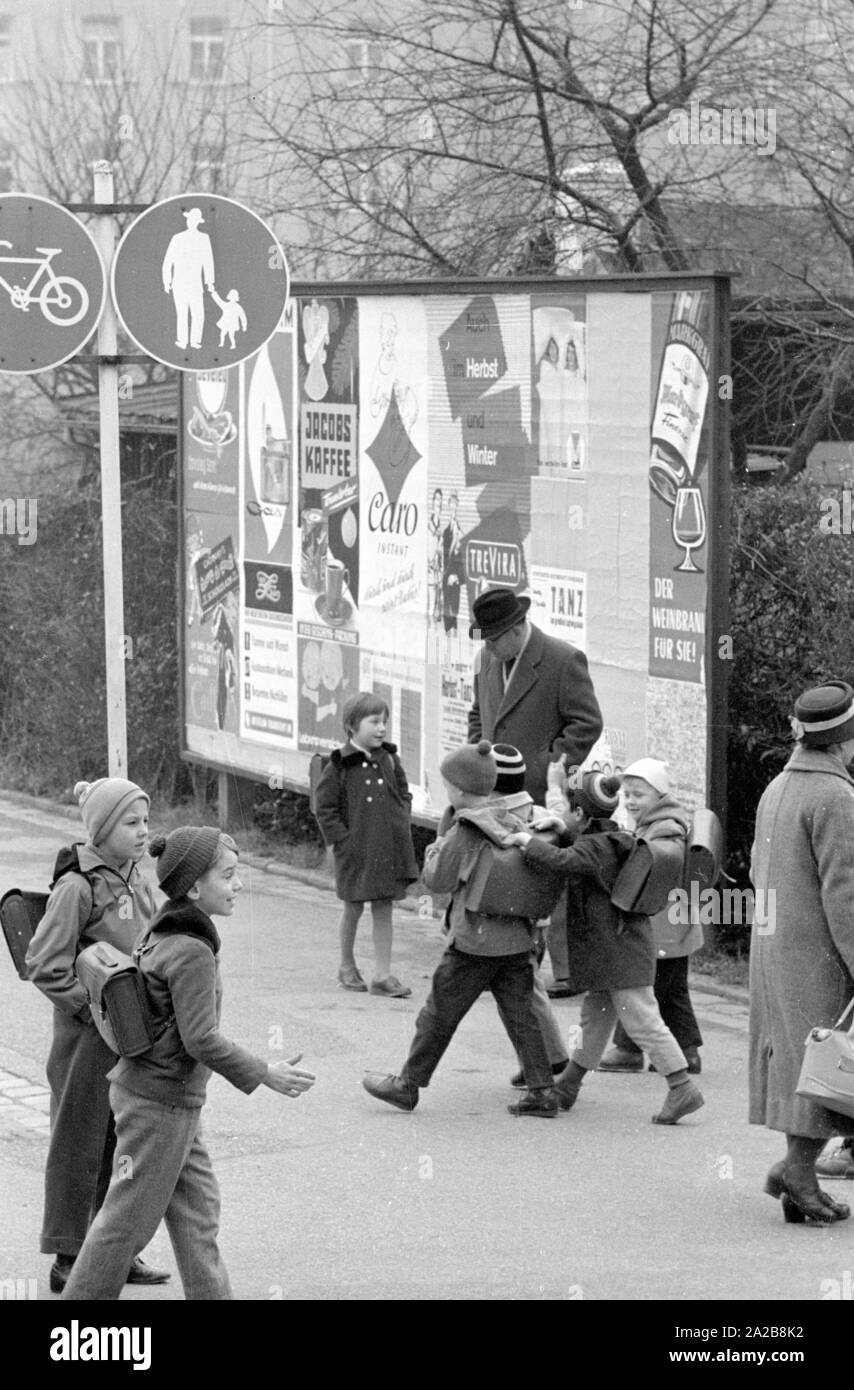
{"points": [[103, 803], [511, 769], [471, 768], [184, 855], [652, 771], [596, 795]]}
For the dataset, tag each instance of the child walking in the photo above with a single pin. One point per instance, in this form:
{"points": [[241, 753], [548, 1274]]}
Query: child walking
{"points": [[484, 952], [98, 894], [611, 952], [157, 1097], [363, 809], [646, 793]]}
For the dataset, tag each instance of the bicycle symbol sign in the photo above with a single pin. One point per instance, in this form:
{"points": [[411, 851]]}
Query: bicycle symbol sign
{"points": [[52, 284]]}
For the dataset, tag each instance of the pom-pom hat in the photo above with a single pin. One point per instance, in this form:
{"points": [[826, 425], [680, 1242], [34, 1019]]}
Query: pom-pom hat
{"points": [[471, 768], [184, 855], [104, 802], [824, 715], [650, 770], [495, 612], [595, 794]]}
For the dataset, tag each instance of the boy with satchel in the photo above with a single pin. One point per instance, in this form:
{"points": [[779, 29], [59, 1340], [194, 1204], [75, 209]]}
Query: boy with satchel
{"points": [[486, 950]]}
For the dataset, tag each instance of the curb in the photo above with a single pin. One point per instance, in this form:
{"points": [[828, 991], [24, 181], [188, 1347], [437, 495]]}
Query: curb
{"points": [[41, 803]]}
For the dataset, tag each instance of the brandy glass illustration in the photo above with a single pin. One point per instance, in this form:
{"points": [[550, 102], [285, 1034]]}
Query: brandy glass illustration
{"points": [[211, 389], [689, 525]]}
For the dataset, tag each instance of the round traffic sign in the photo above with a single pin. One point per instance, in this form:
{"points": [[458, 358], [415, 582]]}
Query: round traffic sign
{"points": [[200, 282], [52, 284]]}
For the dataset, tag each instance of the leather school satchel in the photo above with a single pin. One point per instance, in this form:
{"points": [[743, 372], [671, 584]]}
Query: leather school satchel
{"points": [[651, 872], [499, 883]]}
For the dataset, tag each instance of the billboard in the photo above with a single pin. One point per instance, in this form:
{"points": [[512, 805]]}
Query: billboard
{"points": [[394, 450]]}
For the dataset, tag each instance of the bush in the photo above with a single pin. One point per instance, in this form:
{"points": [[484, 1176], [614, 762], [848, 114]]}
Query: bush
{"points": [[53, 718], [790, 618]]}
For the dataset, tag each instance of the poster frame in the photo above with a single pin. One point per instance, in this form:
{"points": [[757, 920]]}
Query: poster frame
{"points": [[717, 283]]}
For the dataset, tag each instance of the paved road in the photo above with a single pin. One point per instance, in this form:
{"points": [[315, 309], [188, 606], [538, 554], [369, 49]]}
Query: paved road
{"points": [[335, 1196]]}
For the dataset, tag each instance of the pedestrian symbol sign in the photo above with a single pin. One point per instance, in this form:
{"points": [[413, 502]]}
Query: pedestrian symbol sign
{"points": [[52, 284], [200, 282]]}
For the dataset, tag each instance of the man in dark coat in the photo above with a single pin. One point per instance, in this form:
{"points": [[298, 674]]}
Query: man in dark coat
{"points": [[535, 692]]}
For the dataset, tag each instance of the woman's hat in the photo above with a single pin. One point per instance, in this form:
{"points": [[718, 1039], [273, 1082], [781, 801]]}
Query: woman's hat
{"points": [[496, 611], [824, 715], [471, 768], [104, 802]]}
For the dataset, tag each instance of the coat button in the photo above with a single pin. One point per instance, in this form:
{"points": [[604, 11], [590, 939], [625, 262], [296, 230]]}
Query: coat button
{"points": [[369, 798], [379, 781]]}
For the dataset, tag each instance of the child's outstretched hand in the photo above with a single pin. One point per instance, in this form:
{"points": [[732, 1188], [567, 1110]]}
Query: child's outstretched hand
{"points": [[288, 1079]]}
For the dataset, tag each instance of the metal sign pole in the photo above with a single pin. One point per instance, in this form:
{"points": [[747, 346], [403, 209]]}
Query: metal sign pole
{"points": [[111, 502]]}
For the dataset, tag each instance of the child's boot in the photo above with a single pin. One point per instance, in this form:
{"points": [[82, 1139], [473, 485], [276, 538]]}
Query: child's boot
{"points": [[683, 1097], [568, 1085], [540, 1101]]}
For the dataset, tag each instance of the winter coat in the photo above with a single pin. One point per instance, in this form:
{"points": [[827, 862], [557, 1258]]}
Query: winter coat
{"points": [[549, 707], [448, 861], [185, 993], [802, 942], [607, 948], [668, 820], [104, 906], [363, 810]]}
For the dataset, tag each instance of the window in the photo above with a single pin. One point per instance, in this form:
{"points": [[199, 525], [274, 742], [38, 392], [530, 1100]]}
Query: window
{"points": [[208, 169], [5, 48], [101, 49], [207, 50], [361, 61], [7, 167]]}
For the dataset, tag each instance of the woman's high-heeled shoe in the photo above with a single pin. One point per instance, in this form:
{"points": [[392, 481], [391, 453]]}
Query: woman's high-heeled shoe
{"points": [[801, 1203]]}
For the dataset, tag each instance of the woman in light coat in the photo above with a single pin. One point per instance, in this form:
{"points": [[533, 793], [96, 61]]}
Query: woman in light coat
{"points": [[802, 944]]}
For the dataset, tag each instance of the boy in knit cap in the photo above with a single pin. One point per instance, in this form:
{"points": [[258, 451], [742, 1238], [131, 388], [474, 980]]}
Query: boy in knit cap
{"points": [[611, 951], [157, 1097], [98, 894], [484, 952], [655, 815]]}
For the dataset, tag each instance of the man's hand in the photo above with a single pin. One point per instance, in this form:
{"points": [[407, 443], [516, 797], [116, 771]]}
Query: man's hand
{"points": [[288, 1079], [521, 838]]}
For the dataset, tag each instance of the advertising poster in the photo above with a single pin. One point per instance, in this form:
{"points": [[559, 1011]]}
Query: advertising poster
{"points": [[393, 476], [559, 368], [386, 457]]}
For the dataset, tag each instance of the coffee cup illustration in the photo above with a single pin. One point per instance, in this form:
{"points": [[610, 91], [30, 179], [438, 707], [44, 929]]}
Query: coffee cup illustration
{"points": [[337, 577]]}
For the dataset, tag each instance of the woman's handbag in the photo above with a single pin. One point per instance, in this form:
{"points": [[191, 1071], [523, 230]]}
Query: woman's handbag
{"points": [[827, 1071]]}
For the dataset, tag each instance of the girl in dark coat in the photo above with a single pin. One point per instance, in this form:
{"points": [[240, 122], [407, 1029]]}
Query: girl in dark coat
{"points": [[363, 810]]}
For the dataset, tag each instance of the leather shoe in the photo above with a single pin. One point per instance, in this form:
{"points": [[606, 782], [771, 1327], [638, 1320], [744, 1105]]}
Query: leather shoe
{"points": [[541, 1103], [393, 1090], [391, 987], [350, 978], [681, 1100], [835, 1165], [139, 1273], [560, 989], [518, 1081], [618, 1060], [802, 1200]]}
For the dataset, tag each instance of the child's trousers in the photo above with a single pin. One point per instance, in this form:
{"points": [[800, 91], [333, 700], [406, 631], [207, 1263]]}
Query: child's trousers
{"points": [[82, 1137], [161, 1172], [638, 1012], [674, 1002], [458, 981]]}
